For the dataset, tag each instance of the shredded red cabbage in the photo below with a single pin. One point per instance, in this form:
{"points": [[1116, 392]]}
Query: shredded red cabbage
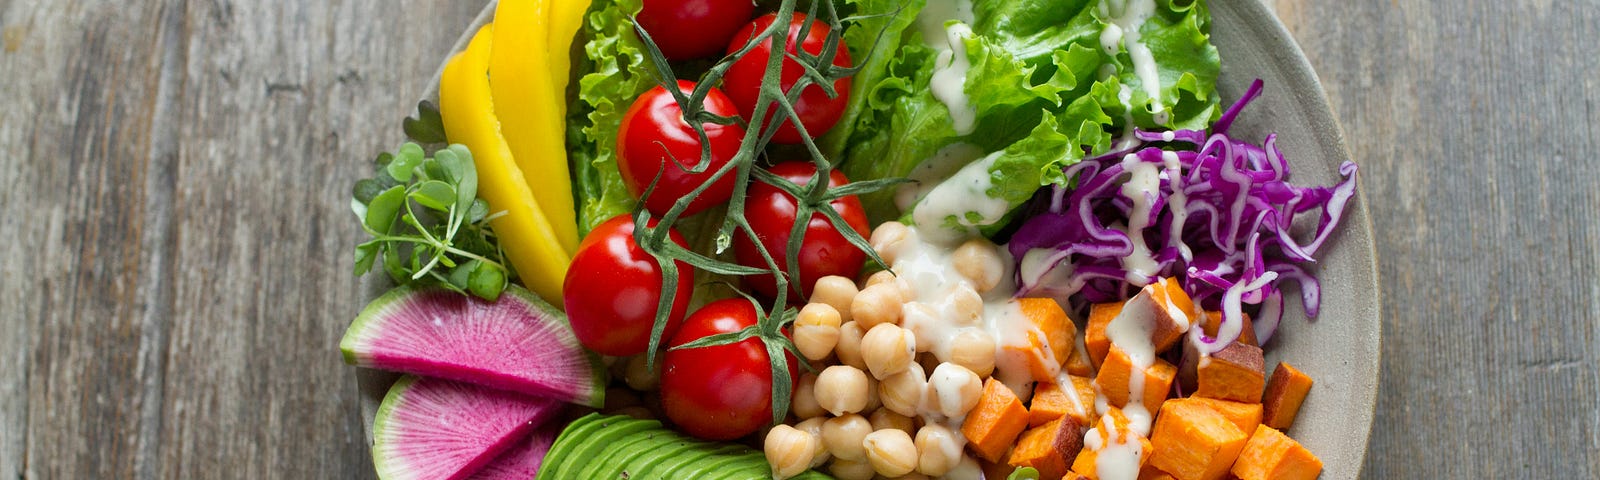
{"points": [[1219, 221]]}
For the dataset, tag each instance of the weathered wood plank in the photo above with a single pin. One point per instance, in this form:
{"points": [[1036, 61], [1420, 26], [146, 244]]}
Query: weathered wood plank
{"points": [[1476, 126]]}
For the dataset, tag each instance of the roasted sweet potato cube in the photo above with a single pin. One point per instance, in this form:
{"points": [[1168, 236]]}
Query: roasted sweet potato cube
{"points": [[1114, 435], [1269, 454], [1244, 415], [1193, 442], [1049, 448], [1094, 333], [1119, 369], [1058, 329], [1234, 373], [1074, 475], [1070, 396], [995, 469], [1150, 472], [1038, 356], [1078, 363], [993, 425], [1286, 390], [1247, 333]]}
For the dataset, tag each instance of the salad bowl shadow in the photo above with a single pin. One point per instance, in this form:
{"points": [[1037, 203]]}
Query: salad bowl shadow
{"points": [[1340, 350]]}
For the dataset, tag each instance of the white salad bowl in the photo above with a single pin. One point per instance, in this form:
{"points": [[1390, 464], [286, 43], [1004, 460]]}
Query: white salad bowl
{"points": [[1339, 350]]}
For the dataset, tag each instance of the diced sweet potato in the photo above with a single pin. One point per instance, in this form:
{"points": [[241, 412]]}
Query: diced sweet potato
{"points": [[1049, 448], [1269, 454], [1150, 472], [1244, 415], [1073, 475], [1042, 365], [1094, 334], [1213, 321], [1070, 396], [1234, 373], [995, 422], [1058, 330], [1193, 442], [1115, 438], [995, 469], [1286, 390], [1078, 362], [1119, 369]]}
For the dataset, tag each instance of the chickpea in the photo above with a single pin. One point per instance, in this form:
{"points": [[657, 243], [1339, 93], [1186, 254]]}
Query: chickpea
{"points": [[956, 388], [891, 452], [979, 261], [963, 305], [889, 239], [842, 389], [816, 330], [813, 426], [937, 450], [873, 402], [849, 347], [923, 321], [851, 470], [877, 304], [913, 476], [889, 278], [888, 349], [804, 401], [836, 292], [883, 418], [639, 376], [972, 348], [789, 451], [902, 392], [843, 436]]}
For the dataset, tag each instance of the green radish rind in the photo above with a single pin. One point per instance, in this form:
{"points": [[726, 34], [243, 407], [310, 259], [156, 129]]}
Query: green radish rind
{"points": [[380, 423], [368, 325]]}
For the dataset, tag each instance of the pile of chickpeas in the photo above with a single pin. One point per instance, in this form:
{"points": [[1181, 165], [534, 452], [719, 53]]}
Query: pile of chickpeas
{"points": [[880, 400]]}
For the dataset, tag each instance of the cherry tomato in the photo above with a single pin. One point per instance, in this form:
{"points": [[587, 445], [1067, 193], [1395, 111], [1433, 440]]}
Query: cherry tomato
{"points": [[654, 138], [725, 391], [691, 29], [816, 111], [823, 252], [612, 288]]}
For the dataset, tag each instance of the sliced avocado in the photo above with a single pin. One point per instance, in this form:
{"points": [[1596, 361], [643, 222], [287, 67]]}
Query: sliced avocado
{"points": [[611, 430], [618, 455], [749, 466], [671, 445], [713, 464], [569, 439], [674, 467]]}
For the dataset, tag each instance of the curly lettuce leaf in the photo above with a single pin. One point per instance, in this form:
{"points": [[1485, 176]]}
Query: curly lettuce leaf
{"points": [[872, 41], [618, 72], [908, 124]]}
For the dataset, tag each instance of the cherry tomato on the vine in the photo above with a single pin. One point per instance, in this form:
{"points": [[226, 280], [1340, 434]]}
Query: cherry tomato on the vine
{"points": [[720, 392], [655, 139], [817, 112], [612, 288], [691, 29], [824, 250]]}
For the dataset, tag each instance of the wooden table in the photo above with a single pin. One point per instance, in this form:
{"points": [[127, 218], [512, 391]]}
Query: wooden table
{"points": [[175, 252]]}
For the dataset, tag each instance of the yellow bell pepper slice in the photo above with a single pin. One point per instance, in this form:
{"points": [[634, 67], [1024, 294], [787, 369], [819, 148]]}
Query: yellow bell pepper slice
{"points": [[530, 109], [466, 105], [566, 17]]}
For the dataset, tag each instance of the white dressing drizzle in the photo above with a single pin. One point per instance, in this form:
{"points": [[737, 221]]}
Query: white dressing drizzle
{"points": [[1177, 203], [1125, 17], [949, 81], [934, 170], [1143, 183], [964, 196]]}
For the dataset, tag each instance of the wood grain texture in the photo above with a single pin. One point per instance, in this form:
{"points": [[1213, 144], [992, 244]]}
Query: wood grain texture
{"points": [[176, 246], [177, 254], [1476, 124]]}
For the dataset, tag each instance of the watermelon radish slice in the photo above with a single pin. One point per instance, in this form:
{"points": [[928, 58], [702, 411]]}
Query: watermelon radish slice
{"points": [[518, 343], [523, 460], [428, 428]]}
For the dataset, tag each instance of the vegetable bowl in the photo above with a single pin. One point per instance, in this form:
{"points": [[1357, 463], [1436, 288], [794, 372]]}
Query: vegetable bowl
{"points": [[1340, 348]]}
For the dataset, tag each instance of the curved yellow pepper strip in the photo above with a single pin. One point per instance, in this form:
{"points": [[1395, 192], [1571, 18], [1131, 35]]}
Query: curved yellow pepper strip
{"points": [[566, 17], [530, 109], [469, 118]]}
